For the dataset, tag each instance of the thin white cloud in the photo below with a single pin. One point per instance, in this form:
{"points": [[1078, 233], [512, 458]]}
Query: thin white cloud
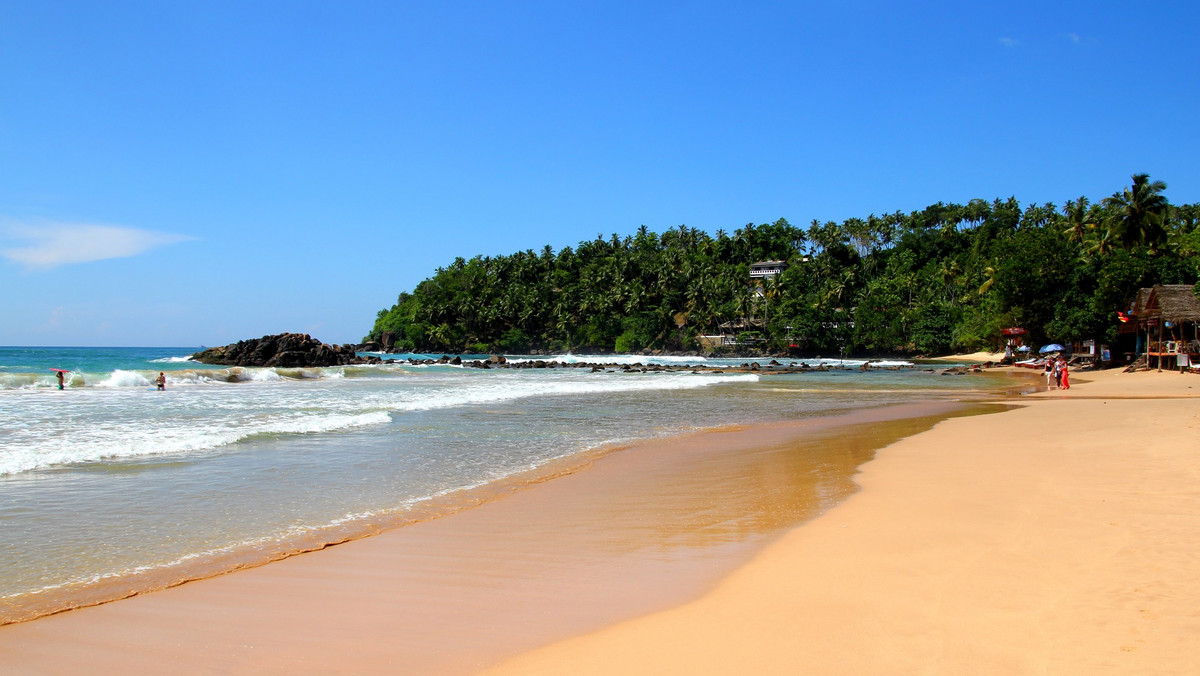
{"points": [[1074, 38], [49, 245], [1008, 42]]}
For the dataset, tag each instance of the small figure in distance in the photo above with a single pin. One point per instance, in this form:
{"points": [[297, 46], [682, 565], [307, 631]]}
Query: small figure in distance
{"points": [[161, 381], [1064, 372], [60, 380]]}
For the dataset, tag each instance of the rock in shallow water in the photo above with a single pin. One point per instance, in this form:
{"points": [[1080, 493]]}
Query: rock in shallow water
{"points": [[289, 350]]}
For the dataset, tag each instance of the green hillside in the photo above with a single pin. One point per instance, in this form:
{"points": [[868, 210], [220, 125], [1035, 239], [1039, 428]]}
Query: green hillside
{"points": [[947, 277]]}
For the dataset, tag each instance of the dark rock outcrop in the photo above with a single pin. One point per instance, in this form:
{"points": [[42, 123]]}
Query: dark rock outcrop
{"points": [[288, 350], [388, 339]]}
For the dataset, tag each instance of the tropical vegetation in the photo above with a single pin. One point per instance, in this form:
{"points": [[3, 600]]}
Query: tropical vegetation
{"points": [[947, 277]]}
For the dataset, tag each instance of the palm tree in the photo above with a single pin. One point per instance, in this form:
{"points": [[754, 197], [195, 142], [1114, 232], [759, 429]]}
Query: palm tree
{"points": [[1079, 218], [1140, 213], [950, 272], [1101, 245], [989, 278]]}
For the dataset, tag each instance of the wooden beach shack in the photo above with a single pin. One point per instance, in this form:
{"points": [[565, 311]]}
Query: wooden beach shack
{"points": [[1164, 320]]}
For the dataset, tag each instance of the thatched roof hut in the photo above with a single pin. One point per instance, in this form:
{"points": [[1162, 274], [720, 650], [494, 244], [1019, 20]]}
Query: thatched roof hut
{"points": [[1175, 303], [1169, 317], [1140, 300]]}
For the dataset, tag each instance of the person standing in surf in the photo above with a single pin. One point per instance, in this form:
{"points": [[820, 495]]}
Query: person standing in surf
{"points": [[161, 381], [60, 380]]}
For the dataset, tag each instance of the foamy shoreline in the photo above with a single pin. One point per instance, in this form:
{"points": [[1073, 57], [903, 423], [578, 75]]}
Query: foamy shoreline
{"points": [[1060, 537]]}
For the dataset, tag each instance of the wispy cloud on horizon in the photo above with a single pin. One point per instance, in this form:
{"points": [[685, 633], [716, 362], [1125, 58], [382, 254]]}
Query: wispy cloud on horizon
{"points": [[1009, 42], [52, 244]]}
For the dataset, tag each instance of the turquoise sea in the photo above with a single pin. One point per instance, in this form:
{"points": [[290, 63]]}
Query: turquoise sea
{"points": [[109, 487]]}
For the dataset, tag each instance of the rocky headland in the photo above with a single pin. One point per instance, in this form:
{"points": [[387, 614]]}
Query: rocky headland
{"points": [[288, 350]]}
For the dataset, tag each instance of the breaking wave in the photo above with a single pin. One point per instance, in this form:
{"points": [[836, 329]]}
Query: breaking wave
{"points": [[115, 418], [110, 442], [121, 378]]}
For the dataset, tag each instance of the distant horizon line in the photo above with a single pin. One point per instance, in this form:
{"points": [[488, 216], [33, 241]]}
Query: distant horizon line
{"points": [[139, 347]]}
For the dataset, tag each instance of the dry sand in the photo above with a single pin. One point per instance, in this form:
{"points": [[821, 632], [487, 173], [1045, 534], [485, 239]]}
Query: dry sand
{"points": [[1062, 537]]}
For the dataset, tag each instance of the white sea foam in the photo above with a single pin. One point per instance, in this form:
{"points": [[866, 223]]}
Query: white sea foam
{"points": [[268, 375], [850, 363], [173, 360], [121, 378], [610, 359], [859, 363], [509, 390], [668, 360], [100, 442], [239, 374], [115, 421]]}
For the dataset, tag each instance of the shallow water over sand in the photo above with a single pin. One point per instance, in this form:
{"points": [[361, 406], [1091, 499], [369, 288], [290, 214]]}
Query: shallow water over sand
{"points": [[112, 490]]}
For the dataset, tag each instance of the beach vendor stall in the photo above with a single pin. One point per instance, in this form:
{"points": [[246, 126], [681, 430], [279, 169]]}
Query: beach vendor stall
{"points": [[1014, 338], [1167, 319]]}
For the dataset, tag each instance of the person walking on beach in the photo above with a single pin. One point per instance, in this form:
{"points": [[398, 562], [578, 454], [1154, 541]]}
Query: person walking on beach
{"points": [[161, 381], [1048, 371], [1058, 364], [1064, 380]]}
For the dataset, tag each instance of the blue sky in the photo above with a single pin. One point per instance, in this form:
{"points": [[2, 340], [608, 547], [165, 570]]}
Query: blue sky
{"points": [[186, 173]]}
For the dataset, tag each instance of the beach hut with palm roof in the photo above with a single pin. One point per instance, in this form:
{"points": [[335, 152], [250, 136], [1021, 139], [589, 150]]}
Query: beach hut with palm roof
{"points": [[1165, 319]]}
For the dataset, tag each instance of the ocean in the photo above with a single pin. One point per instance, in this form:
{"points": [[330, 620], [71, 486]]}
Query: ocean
{"points": [[109, 487]]}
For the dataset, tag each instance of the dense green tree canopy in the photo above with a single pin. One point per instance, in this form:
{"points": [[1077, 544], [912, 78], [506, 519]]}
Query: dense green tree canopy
{"points": [[950, 276]]}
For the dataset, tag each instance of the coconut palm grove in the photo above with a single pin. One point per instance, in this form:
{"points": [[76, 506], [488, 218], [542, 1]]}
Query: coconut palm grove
{"points": [[948, 277]]}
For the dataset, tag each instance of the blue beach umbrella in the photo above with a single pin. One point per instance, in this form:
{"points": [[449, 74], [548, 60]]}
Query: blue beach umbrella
{"points": [[1052, 347]]}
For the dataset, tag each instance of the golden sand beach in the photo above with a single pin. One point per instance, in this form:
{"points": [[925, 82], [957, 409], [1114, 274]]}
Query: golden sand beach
{"points": [[1060, 536]]}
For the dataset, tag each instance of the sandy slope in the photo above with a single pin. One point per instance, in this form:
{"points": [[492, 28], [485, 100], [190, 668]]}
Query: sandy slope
{"points": [[1062, 537]]}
